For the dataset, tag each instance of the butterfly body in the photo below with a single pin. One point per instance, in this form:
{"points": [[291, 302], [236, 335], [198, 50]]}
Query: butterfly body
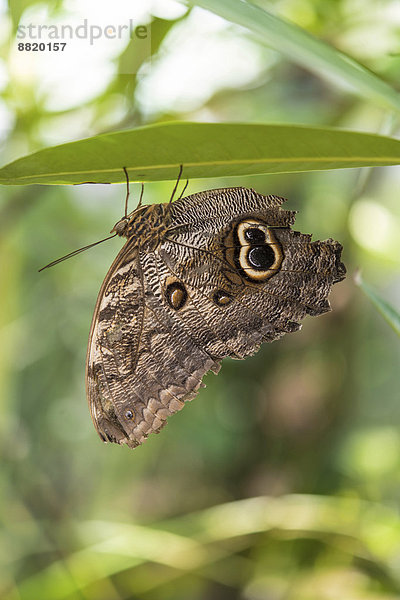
{"points": [[211, 275]]}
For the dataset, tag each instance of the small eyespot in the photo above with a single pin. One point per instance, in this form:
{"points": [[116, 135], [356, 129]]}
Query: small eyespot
{"points": [[176, 295], [129, 415], [222, 298], [253, 235], [261, 257]]}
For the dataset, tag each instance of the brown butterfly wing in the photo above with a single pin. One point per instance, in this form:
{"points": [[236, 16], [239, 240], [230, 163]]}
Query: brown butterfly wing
{"points": [[256, 310], [119, 305], [168, 314], [142, 364]]}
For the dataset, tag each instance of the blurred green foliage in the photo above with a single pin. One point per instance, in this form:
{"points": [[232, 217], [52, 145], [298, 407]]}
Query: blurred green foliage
{"points": [[281, 481]]}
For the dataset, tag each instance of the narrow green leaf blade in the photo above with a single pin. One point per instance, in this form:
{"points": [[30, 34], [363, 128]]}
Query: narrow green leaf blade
{"points": [[390, 314], [155, 152], [305, 49]]}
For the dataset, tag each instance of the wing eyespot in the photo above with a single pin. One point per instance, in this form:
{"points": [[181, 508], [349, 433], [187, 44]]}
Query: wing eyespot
{"points": [[261, 258], [222, 298], [254, 235], [176, 295], [129, 415], [257, 255]]}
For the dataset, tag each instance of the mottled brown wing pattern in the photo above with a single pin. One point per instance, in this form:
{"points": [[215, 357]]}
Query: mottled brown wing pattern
{"points": [[215, 274], [113, 342]]}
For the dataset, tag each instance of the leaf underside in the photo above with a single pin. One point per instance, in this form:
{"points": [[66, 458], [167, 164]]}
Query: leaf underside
{"points": [[155, 152]]}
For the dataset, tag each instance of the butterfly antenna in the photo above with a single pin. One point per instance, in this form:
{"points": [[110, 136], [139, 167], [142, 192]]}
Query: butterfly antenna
{"points": [[184, 189], [127, 192], [176, 184], [141, 196], [75, 252]]}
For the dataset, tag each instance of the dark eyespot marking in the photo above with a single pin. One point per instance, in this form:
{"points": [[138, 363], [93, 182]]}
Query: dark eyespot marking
{"points": [[176, 295], [253, 249], [222, 298], [253, 235], [129, 415], [261, 257]]}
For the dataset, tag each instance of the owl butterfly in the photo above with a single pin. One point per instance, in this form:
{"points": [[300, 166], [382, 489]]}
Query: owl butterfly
{"points": [[208, 276]]}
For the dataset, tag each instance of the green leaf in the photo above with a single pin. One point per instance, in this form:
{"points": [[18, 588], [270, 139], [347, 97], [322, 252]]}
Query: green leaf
{"points": [[304, 49], [390, 314], [155, 152]]}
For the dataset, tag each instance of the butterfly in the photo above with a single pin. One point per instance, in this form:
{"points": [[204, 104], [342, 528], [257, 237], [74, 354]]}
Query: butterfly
{"points": [[211, 275]]}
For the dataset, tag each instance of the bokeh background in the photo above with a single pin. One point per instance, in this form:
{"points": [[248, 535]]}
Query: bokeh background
{"points": [[281, 481]]}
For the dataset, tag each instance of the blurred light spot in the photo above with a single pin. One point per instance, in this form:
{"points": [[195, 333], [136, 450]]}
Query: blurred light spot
{"points": [[371, 452], [111, 12], [3, 75], [328, 582], [378, 25], [52, 130], [5, 24], [168, 9], [204, 55], [380, 530], [88, 65], [7, 120], [373, 227], [269, 586]]}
